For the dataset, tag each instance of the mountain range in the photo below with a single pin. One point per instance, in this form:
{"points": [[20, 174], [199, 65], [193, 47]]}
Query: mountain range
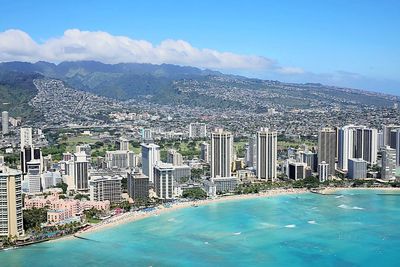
{"points": [[172, 84]]}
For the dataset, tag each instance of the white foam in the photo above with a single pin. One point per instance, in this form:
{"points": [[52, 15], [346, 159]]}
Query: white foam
{"points": [[339, 196], [343, 206], [312, 222], [206, 243], [171, 220], [290, 226], [268, 225], [237, 233]]}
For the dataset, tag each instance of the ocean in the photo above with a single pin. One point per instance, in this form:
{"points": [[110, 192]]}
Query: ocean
{"points": [[350, 228]]}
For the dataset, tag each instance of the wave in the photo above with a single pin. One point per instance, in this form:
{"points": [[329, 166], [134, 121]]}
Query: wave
{"points": [[268, 225], [237, 233], [312, 222], [290, 226], [343, 206], [339, 196]]}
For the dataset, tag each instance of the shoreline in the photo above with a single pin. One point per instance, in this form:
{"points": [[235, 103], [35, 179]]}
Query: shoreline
{"points": [[130, 217], [330, 190]]}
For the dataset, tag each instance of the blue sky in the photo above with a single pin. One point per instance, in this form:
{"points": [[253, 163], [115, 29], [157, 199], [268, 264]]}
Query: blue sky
{"points": [[345, 43]]}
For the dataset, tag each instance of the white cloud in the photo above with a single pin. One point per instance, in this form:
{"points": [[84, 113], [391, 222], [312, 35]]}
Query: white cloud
{"points": [[16, 45]]}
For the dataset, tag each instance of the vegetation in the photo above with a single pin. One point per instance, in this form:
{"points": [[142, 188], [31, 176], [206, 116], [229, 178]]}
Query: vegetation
{"points": [[194, 193], [308, 182], [79, 196], [33, 218], [63, 186]]}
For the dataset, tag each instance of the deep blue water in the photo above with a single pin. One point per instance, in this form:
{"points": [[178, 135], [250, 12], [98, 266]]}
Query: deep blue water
{"points": [[358, 228]]}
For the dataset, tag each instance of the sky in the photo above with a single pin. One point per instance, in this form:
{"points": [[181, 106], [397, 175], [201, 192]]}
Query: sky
{"points": [[337, 42]]}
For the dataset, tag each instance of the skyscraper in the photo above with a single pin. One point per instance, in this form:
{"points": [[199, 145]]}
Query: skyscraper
{"points": [[26, 137], [197, 130], [366, 140], [323, 171], [205, 152], [221, 153], [11, 223], [357, 168], [267, 146], [395, 144], [251, 152], [81, 169], [389, 156], [138, 185], [164, 180], [150, 156], [387, 129], [327, 149], [4, 122], [174, 157], [357, 142], [123, 144], [33, 175]]}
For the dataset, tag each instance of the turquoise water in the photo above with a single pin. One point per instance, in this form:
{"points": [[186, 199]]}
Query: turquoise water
{"points": [[358, 228]]}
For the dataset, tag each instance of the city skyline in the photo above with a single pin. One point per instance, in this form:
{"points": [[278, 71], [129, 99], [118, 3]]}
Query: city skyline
{"points": [[293, 42]]}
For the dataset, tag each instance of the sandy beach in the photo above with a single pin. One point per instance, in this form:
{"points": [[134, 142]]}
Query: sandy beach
{"points": [[138, 215], [330, 190]]}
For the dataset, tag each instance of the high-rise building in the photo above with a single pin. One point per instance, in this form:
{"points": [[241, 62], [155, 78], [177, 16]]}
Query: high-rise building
{"points": [[27, 154], [357, 168], [138, 185], [389, 158], [120, 159], [327, 148], [150, 157], [395, 144], [296, 170], [4, 122], [251, 152], [387, 129], [104, 188], [123, 144], [164, 180], [310, 158], [365, 141], [197, 130], [26, 137], [33, 176], [174, 157], [221, 153], [357, 142], [323, 171], [84, 148], [11, 222], [147, 134], [80, 170], [267, 146], [205, 152]]}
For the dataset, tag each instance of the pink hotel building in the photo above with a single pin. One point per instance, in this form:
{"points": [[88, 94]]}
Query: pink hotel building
{"points": [[63, 209]]}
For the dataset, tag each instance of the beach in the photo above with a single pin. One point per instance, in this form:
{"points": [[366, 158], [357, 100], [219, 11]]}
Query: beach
{"points": [[128, 217], [330, 190]]}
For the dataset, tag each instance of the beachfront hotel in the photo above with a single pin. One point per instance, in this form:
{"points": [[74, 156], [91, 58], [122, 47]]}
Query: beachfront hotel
{"points": [[267, 146], [221, 153], [150, 157], [11, 222]]}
